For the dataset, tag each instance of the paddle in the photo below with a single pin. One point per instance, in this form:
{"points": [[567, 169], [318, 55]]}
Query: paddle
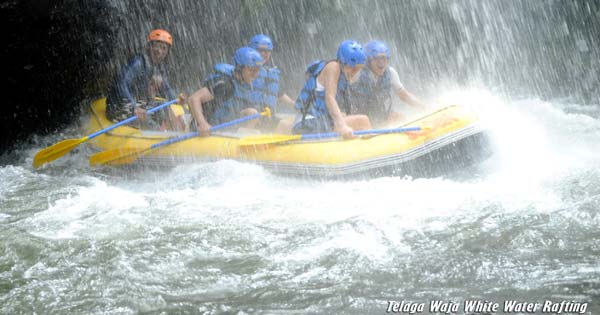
{"points": [[121, 156], [272, 139], [59, 149]]}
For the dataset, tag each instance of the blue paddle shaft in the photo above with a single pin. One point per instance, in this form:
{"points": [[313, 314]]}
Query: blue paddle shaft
{"points": [[304, 137], [130, 119], [312, 136], [197, 133]]}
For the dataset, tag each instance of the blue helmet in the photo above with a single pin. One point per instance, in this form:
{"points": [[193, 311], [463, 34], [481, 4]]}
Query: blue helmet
{"points": [[351, 53], [376, 48], [247, 56], [261, 41]]}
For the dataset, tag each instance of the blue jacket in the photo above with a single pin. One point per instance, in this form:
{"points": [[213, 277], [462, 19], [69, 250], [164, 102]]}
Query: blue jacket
{"points": [[244, 96], [268, 83], [133, 81], [312, 102]]}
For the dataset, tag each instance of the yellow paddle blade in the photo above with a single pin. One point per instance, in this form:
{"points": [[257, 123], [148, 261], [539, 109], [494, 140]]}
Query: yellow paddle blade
{"points": [[55, 151], [118, 156], [267, 139]]}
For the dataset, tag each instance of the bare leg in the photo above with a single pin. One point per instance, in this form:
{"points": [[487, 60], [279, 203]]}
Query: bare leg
{"points": [[248, 112], [394, 119], [285, 126], [358, 122]]}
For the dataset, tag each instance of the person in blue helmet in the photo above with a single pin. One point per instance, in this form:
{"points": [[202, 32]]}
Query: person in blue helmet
{"points": [[371, 93], [327, 90], [142, 79], [228, 93], [270, 83]]}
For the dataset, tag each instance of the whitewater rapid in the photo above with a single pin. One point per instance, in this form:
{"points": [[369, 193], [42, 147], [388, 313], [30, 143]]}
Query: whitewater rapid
{"points": [[229, 237]]}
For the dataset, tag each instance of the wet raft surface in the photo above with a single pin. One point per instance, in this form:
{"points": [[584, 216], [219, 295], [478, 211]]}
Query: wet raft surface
{"points": [[450, 139]]}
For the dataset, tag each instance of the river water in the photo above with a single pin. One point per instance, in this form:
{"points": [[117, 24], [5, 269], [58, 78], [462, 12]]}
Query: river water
{"points": [[231, 238]]}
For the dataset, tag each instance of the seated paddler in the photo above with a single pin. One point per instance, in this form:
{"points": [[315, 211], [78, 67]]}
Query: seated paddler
{"points": [[326, 91], [142, 84], [371, 93], [229, 93], [270, 82]]}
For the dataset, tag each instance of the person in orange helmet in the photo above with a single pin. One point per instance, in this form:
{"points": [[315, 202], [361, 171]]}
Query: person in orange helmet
{"points": [[140, 81]]}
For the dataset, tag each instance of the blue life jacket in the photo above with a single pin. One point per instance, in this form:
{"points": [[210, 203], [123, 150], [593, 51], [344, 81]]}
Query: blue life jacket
{"points": [[370, 97], [312, 102], [268, 82], [244, 96]]}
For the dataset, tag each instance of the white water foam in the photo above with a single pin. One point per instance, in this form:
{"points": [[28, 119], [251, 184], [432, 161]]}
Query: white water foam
{"points": [[238, 195]]}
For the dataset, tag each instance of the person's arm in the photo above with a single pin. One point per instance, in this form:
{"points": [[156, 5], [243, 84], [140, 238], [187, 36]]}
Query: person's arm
{"points": [[128, 74], [195, 101], [284, 98], [330, 77], [403, 93], [411, 100], [167, 90]]}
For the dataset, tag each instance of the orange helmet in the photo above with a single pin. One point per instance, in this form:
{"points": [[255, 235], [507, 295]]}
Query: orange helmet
{"points": [[161, 35]]}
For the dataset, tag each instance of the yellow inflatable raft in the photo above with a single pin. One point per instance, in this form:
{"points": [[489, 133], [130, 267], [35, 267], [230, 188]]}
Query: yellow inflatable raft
{"points": [[450, 138]]}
